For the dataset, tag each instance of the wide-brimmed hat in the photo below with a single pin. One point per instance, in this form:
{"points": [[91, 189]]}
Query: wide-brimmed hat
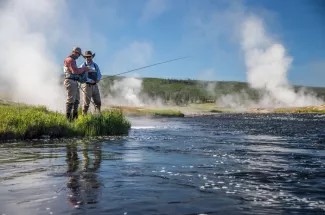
{"points": [[89, 54], [77, 49]]}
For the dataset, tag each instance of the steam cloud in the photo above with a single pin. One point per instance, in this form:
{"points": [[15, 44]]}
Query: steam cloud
{"points": [[125, 92], [267, 66], [128, 92], [28, 72]]}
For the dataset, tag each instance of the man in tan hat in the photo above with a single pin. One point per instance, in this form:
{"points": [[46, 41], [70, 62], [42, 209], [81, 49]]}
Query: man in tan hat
{"points": [[90, 88], [72, 76]]}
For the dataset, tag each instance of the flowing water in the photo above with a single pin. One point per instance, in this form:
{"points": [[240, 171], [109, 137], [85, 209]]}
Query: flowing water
{"points": [[222, 164]]}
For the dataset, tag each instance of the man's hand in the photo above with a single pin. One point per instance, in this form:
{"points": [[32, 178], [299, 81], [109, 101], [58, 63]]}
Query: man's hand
{"points": [[92, 81], [88, 68]]}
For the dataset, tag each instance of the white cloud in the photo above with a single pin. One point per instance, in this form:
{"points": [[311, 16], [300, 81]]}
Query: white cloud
{"points": [[152, 10], [82, 29], [136, 54], [209, 26]]}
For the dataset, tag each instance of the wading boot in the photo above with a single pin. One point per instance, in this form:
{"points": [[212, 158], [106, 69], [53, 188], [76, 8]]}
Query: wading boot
{"points": [[75, 110], [98, 108], [75, 115], [85, 109], [68, 111], [68, 115]]}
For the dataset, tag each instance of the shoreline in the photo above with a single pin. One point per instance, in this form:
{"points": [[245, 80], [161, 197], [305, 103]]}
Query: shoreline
{"points": [[26, 122], [208, 109]]}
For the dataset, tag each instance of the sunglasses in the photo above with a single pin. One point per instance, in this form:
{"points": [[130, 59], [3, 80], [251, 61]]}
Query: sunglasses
{"points": [[88, 56]]}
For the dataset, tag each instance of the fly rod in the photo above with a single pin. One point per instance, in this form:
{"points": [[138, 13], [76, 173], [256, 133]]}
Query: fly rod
{"points": [[147, 66]]}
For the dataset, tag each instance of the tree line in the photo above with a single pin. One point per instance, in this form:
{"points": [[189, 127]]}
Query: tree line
{"points": [[183, 92]]}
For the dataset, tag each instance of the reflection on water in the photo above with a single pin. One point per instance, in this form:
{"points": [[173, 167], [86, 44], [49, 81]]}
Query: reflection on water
{"points": [[226, 164], [83, 183], [72, 158]]}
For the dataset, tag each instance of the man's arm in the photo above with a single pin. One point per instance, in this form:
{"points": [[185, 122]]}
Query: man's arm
{"points": [[72, 65], [99, 74], [82, 65]]}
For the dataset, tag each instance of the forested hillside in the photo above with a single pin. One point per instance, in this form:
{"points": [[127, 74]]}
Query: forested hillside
{"points": [[182, 92]]}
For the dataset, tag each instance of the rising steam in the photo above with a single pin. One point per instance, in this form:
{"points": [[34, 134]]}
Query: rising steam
{"points": [[267, 65], [125, 92], [28, 71], [128, 92]]}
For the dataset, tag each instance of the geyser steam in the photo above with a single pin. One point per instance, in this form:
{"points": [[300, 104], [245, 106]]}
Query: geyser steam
{"points": [[128, 91], [267, 65], [27, 65]]}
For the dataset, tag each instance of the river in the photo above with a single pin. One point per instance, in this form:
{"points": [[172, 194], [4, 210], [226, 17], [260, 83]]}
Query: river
{"points": [[222, 164]]}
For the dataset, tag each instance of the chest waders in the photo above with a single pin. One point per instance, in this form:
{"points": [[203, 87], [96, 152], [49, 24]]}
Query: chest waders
{"points": [[73, 93], [91, 91]]}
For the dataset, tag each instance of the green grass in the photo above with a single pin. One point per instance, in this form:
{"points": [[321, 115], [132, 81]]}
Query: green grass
{"points": [[29, 122], [172, 111], [165, 113], [300, 110], [204, 108], [146, 111], [309, 111], [110, 122]]}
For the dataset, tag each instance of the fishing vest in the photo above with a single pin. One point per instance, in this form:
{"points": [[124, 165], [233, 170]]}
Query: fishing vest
{"points": [[92, 74], [82, 78]]}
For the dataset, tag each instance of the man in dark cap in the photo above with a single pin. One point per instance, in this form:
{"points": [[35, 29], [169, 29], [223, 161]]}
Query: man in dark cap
{"points": [[72, 76]]}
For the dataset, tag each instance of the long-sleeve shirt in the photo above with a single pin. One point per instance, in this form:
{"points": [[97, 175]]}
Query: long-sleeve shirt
{"points": [[96, 68], [71, 65]]}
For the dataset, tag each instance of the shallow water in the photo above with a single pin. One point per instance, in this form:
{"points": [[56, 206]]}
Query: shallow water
{"points": [[227, 163]]}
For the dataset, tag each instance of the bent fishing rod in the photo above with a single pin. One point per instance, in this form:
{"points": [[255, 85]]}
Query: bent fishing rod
{"points": [[146, 67]]}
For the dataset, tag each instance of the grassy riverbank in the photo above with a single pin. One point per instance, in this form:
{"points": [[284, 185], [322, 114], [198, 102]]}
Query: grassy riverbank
{"points": [[148, 111], [309, 109], [30, 122], [173, 111]]}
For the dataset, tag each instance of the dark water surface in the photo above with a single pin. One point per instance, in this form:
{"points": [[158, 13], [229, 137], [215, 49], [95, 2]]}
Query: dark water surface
{"points": [[224, 164]]}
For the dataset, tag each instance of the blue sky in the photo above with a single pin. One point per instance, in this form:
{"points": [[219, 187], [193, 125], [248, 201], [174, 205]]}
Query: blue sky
{"points": [[126, 34]]}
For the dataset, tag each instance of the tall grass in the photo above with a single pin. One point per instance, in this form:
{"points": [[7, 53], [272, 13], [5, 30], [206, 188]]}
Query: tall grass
{"points": [[315, 109], [110, 122], [28, 122], [163, 113], [144, 111]]}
